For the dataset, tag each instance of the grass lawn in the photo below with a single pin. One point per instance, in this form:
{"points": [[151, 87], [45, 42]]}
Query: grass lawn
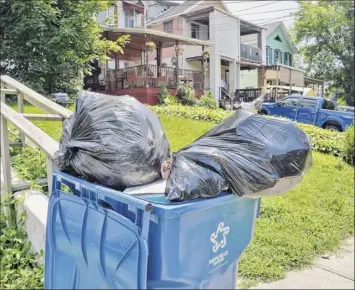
{"points": [[293, 228]]}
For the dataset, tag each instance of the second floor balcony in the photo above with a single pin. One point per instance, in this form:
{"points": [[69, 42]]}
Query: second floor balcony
{"points": [[250, 54]]}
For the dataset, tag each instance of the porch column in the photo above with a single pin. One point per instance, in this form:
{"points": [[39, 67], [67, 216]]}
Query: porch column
{"points": [[215, 74], [232, 77], [203, 67], [142, 57], [262, 44], [159, 58], [290, 80], [177, 62], [237, 85], [261, 77]]}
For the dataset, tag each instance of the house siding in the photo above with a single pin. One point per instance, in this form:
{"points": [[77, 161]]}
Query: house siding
{"points": [[274, 44], [226, 40], [168, 53], [249, 79]]}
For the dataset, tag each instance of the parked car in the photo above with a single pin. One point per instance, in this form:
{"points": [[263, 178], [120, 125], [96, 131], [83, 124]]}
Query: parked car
{"points": [[345, 109], [310, 110]]}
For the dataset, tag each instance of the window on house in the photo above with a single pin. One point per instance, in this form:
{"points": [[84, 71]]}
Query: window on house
{"points": [[111, 64], [195, 31], [287, 59], [168, 27], [277, 56], [268, 55], [129, 18], [112, 16]]}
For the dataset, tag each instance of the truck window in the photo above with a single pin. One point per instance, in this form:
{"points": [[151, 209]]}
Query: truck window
{"points": [[309, 103], [290, 102], [328, 105]]}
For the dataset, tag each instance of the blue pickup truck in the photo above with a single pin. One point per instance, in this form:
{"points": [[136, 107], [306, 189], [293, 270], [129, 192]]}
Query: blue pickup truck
{"points": [[310, 110]]}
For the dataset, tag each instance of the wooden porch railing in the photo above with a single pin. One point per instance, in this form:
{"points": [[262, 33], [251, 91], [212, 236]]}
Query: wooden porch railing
{"points": [[27, 129], [153, 76]]}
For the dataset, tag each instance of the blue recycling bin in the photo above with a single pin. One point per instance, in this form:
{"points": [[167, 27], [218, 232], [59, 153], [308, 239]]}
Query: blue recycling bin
{"points": [[99, 238]]}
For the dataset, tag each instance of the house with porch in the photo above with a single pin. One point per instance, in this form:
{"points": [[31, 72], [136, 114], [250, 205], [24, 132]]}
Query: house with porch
{"points": [[279, 50], [279, 72], [131, 73], [226, 58]]}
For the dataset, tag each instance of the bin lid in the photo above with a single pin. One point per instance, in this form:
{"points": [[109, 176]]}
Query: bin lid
{"points": [[89, 247]]}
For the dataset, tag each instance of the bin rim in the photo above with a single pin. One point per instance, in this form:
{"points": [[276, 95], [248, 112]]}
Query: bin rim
{"points": [[165, 209]]}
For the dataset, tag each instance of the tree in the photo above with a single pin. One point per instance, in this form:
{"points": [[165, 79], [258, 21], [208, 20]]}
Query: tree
{"points": [[324, 32], [48, 44]]}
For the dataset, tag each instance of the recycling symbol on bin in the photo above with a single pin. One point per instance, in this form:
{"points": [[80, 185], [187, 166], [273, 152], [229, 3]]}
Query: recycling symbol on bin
{"points": [[218, 238]]}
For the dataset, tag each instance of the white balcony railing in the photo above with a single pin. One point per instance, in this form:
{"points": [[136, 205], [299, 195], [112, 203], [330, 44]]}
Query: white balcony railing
{"points": [[250, 53]]}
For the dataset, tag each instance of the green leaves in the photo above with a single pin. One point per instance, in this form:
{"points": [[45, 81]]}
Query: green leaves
{"points": [[349, 150], [18, 267], [324, 33], [46, 44]]}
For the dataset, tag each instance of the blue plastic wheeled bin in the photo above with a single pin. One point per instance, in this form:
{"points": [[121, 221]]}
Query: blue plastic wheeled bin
{"points": [[99, 238]]}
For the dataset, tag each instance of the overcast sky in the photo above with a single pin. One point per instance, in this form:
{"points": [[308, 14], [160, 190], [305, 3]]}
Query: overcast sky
{"points": [[262, 12]]}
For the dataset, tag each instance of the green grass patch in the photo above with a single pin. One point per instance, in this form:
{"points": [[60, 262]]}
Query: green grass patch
{"points": [[293, 228], [307, 221]]}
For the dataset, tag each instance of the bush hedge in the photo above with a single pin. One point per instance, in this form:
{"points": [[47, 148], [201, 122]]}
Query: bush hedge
{"points": [[324, 141], [349, 150], [195, 113]]}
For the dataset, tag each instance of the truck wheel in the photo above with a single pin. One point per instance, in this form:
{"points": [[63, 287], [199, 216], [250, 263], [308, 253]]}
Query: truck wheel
{"points": [[332, 128]]}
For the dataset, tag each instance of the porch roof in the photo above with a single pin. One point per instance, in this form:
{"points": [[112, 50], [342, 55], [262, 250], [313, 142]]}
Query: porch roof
{"points": [[140, 35], [310, 80], [199, 58]]}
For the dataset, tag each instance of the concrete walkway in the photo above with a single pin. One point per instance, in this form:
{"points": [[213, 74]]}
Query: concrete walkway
{"points": [[335, 271]]}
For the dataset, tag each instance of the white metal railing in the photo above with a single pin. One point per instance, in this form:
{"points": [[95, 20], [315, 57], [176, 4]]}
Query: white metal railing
{"points": [[27, 129]]}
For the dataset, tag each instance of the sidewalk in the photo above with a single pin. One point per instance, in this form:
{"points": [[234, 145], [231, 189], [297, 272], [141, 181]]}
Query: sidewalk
{"points": [[335, 271]]}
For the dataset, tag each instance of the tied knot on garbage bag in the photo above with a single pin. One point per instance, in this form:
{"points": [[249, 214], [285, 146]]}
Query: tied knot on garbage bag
{"points": [[115, 141], [248, 154]]}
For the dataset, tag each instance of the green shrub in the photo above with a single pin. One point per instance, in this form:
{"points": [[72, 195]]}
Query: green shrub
{"points": [[30, 163], [170, 100], [19, 268], [207, 101], [349, 151], [324, 141], [194, 113], [164, 93], [186, 95]]}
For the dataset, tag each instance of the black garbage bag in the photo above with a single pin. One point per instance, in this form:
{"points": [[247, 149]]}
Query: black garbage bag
{"points": [[115, 141], [248, 154]]}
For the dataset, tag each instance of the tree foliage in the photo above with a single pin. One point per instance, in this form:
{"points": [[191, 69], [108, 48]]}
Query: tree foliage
{"points": [[324, 32], [48, 44]]}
